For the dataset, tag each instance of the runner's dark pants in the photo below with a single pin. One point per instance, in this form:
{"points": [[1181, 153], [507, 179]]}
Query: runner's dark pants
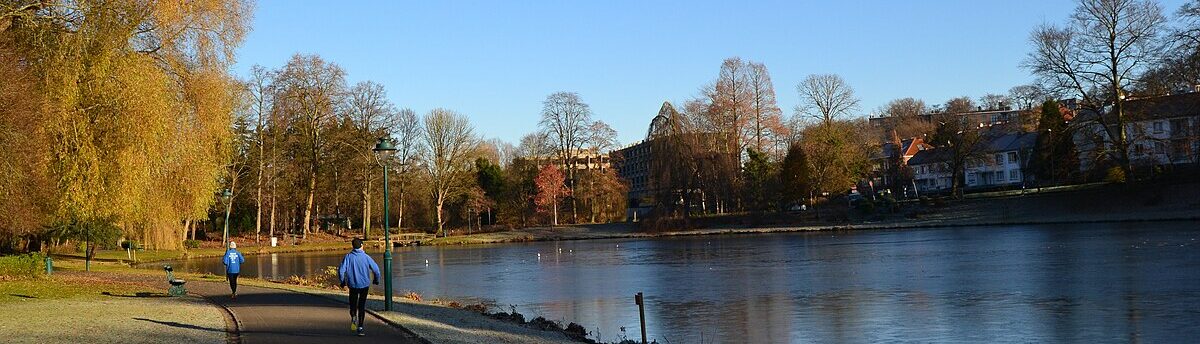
{"points": [[358, 303], [232, 282]]}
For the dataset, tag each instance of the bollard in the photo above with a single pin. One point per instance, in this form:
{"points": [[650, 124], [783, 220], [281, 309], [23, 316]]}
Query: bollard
{"points": [[49, 265], [641, 313]]}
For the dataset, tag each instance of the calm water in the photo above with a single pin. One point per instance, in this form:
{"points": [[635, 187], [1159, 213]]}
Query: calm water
{"points": [[1077, 283]]}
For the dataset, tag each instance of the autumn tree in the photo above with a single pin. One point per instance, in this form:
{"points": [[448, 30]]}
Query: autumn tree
{"points": [[448, 140], [766, 119], [550, 190], [1096, 57], [138, 105]]}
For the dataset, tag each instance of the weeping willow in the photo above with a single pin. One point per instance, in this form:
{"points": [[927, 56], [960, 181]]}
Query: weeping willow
{"points": [[136, 108]]}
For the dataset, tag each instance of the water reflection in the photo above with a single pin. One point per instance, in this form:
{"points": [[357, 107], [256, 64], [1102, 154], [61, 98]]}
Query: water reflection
{"points": [[1086, 283]]}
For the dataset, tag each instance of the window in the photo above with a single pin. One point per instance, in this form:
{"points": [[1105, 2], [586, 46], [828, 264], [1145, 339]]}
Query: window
{"points": [[999, 159], [1160, 148], [1012, 157], [1014, 175], [1158, 127]]}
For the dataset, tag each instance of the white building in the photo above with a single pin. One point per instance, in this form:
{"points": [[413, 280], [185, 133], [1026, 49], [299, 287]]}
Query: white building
{"points": [[1160, 130], [997, 162]]}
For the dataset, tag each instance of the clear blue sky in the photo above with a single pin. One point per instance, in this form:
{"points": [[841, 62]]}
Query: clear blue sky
{"points": [[497, 61]]}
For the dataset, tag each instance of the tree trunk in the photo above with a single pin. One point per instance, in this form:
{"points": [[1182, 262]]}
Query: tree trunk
{"points": [[554, 207], [259, 192], [440, 201], [308, 207], [186, 224], [271, 222], [367, 213]]}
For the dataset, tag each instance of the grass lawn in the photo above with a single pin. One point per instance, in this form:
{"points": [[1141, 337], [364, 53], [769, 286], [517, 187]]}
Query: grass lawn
{"points": [[64, 286]]}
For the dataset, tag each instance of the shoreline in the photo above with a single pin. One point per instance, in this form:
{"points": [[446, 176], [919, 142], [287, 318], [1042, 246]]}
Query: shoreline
{"points": [[482, 239]]}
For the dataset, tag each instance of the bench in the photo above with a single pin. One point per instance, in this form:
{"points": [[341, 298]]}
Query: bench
{"points": [[177, 288]]}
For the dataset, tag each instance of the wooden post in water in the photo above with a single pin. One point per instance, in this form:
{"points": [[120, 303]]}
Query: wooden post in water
{"points": [[641, 314]]}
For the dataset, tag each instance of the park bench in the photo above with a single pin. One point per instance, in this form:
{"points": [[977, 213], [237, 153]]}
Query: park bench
{"points": [[177, 288]]}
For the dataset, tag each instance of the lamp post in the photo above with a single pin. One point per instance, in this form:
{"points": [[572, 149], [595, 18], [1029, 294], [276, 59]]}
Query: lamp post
{"points": [[227, 196], [384, 148]]}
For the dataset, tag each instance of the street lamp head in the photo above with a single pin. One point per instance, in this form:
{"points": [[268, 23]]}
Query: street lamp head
{"points": [[225, 194], [384, 145]]}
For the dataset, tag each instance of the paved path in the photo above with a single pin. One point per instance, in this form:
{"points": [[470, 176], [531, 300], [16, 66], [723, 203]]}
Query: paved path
{"points": [[266, 315]]}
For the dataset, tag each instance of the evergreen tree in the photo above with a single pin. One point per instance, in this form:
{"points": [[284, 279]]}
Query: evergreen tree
{"points": [[1055, 159]]}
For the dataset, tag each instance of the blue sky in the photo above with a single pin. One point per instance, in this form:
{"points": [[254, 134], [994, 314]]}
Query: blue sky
{"points": [[496, 61]]}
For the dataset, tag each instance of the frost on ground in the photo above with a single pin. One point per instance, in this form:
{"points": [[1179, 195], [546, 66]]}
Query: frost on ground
{"points": [[113, 318]]}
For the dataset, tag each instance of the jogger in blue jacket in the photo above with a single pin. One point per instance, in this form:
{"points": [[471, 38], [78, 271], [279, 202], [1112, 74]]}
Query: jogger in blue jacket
{"points": [[233, 266], [358, 271]]}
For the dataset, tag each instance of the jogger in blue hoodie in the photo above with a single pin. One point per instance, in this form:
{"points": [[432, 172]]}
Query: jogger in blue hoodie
{"points": [[233, 266], [358, 271]]}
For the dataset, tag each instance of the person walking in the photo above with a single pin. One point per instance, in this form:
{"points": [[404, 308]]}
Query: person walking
{"points": [[233, 266], [356, 271]]}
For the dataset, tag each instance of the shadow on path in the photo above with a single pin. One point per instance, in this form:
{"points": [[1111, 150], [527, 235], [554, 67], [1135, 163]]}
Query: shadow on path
{"points": [[179, 325]]}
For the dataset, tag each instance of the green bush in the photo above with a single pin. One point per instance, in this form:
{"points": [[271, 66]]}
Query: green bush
{"points": [[866, 206], [19, 267], [191, 243]]}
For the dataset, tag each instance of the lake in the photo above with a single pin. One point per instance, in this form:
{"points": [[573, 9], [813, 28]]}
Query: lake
{"points": [[1120, 282]]}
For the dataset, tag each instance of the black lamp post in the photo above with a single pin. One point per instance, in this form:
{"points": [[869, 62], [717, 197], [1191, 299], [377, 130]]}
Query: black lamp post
{"points": [[227, 196], [383, 149]]}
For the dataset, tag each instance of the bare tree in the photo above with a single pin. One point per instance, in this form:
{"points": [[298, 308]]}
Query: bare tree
{"points": [[826, 97], [1025, 97], [448, 143], [408, 133], [907, 120], [310, 90], [960, 105], [992, 101], [370, 113], [566, 120], [261, 92], [1096, 57]]}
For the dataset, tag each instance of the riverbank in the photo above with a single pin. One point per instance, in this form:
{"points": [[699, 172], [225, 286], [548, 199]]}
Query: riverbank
{"points": [[247, 247], [1098, 203]]}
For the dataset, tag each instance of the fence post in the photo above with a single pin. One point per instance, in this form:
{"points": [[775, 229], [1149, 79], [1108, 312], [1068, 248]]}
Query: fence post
{"points": [[641, 313]]}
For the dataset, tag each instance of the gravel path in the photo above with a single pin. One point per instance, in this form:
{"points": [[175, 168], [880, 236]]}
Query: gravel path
{"points": [[113, 319]]}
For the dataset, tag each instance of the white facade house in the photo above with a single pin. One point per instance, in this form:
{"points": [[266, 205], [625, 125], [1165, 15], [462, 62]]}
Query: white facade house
{"points": [[1000, 162], [1160, 130], [997, 162], [931, 170]]}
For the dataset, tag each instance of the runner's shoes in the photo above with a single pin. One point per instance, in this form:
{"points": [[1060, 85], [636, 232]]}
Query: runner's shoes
{"points": [[353, 324]]}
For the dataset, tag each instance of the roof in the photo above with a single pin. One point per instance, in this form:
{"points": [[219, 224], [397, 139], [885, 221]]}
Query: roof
{"points": [[930, 156], [1009, 142], [887, 148], [1159, 107]]}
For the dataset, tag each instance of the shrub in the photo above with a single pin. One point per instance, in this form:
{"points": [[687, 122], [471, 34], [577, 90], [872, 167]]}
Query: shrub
{"points": [[191, 243], [1114, 175], [20, 267], [866, 206]]}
